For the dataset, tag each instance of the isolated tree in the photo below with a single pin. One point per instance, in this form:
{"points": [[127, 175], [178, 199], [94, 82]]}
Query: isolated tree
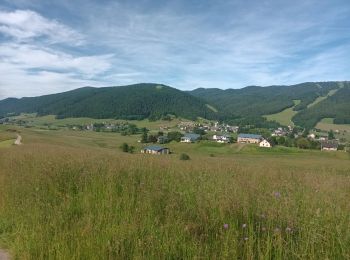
{"points": [[331, 135], [124, 147]]}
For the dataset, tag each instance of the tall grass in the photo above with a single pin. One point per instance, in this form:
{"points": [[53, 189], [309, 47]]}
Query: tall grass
{"points": [[67, 203]]}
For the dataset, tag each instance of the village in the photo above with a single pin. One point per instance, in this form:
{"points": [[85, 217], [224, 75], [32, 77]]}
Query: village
{"points": [[189, 132]]}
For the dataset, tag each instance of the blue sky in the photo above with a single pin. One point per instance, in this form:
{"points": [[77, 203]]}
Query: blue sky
{"points": [[50, 47]]}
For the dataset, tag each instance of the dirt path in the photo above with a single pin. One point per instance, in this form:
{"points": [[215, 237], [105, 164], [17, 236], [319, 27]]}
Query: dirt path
{"points": [[4, 255], [17, 142]]}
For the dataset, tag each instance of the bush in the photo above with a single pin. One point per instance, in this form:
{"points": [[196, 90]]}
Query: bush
{"points": [[184, 157]]}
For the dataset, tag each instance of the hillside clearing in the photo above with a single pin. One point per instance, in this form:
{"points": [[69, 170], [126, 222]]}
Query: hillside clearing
{"points": [[319, 99], [284, 117], [327, 124]]}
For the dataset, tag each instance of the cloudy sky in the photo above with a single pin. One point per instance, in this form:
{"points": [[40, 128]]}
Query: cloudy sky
{"points": [[50, 47]]}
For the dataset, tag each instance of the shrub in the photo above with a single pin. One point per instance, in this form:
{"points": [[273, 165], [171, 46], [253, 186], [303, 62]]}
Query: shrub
{"points": [[184, 157]]}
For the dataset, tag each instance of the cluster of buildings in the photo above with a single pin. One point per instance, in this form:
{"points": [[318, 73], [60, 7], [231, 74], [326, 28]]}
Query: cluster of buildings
{"points": [[207, 127], [253, 139]]}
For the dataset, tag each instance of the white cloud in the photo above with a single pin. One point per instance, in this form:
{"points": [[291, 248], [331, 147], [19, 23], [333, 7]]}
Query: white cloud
{"points": [[26, 56], [25, 25]]}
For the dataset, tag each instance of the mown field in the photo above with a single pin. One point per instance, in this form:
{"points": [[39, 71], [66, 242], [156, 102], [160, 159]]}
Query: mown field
{"points": [[75, 195]]}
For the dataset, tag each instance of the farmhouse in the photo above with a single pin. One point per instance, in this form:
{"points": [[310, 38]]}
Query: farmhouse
{"points": [[221, 138], [329, 146], [190, 138], [249, 138], [265, 143], [154, 149]]}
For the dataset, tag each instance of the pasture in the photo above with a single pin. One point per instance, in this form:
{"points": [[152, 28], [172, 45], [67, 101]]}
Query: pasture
{"points": [[284, 117], [75, 195]]}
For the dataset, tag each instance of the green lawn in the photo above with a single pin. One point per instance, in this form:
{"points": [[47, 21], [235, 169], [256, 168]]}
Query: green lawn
{"points": [[284, 117]]}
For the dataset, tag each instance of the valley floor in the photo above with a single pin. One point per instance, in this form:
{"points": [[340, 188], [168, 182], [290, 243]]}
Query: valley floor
{"points": [[74, 195]]}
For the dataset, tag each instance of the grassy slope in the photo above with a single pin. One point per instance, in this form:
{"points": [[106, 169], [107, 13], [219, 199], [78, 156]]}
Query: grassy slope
{"points": [[321, 98], [74, 195], [284, 117], [327, 124]]}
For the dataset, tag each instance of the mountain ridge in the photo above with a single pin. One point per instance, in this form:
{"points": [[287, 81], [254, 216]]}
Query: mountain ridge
{"points": [[154, 101]]}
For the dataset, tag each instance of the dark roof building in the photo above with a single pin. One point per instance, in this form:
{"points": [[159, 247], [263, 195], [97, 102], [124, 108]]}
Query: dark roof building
{"points": [[329, 145], [155, 149]]}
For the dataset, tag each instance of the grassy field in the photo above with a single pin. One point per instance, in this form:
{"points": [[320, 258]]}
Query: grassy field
{"points": [[75, 195], [327, 124], [284, 117], [51, 121]]}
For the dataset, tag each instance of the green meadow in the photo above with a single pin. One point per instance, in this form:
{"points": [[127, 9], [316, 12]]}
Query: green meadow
{"points": [[74, 195], [284, 117]]}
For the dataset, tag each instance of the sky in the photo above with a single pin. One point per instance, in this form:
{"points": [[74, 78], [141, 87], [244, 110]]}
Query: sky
{"points": [[53, 46]]}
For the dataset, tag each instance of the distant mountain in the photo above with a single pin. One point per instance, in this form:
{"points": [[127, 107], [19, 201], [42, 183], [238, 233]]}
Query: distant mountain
{"points": [[257, 101], [316, 100], [129, 102]]}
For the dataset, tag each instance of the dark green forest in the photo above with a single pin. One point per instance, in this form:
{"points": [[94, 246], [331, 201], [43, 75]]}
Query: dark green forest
{"points": [[127, 102], [244, 106]]}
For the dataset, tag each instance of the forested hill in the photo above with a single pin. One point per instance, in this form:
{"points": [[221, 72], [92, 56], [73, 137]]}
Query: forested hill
{"points": [[254, 100], [257, 101], [129, 102], [242, 106]]}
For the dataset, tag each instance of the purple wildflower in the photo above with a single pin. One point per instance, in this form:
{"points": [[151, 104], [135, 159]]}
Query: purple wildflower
{"points": [[225, 226], [277, 194]]}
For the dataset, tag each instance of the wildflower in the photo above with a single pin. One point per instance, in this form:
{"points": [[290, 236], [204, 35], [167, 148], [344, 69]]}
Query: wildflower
{"points": [[246, 238], [225, 226], [288, 229], [244, 225], [277, 194]]}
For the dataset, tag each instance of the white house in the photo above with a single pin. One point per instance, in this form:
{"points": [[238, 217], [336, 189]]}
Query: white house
{"points": [[265, 143], [221, 138], [190, 138]]}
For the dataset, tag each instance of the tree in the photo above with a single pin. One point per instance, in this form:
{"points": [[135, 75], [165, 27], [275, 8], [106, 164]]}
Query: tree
{"points": [[152, 139], [175, 136], [124, 147], [144, 137], [281, 140], [303, 143], [331, 135]]}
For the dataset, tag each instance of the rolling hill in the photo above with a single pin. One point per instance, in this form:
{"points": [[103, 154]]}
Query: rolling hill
{"points": [[316, 100], [303, 104], [128, 102]]}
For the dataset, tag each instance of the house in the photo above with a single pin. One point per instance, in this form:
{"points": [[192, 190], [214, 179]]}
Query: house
{"points": [[190, 138], [249, 138], [221, 138], [155, 149], [265, 143], [311, 136], [329, 146]]}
